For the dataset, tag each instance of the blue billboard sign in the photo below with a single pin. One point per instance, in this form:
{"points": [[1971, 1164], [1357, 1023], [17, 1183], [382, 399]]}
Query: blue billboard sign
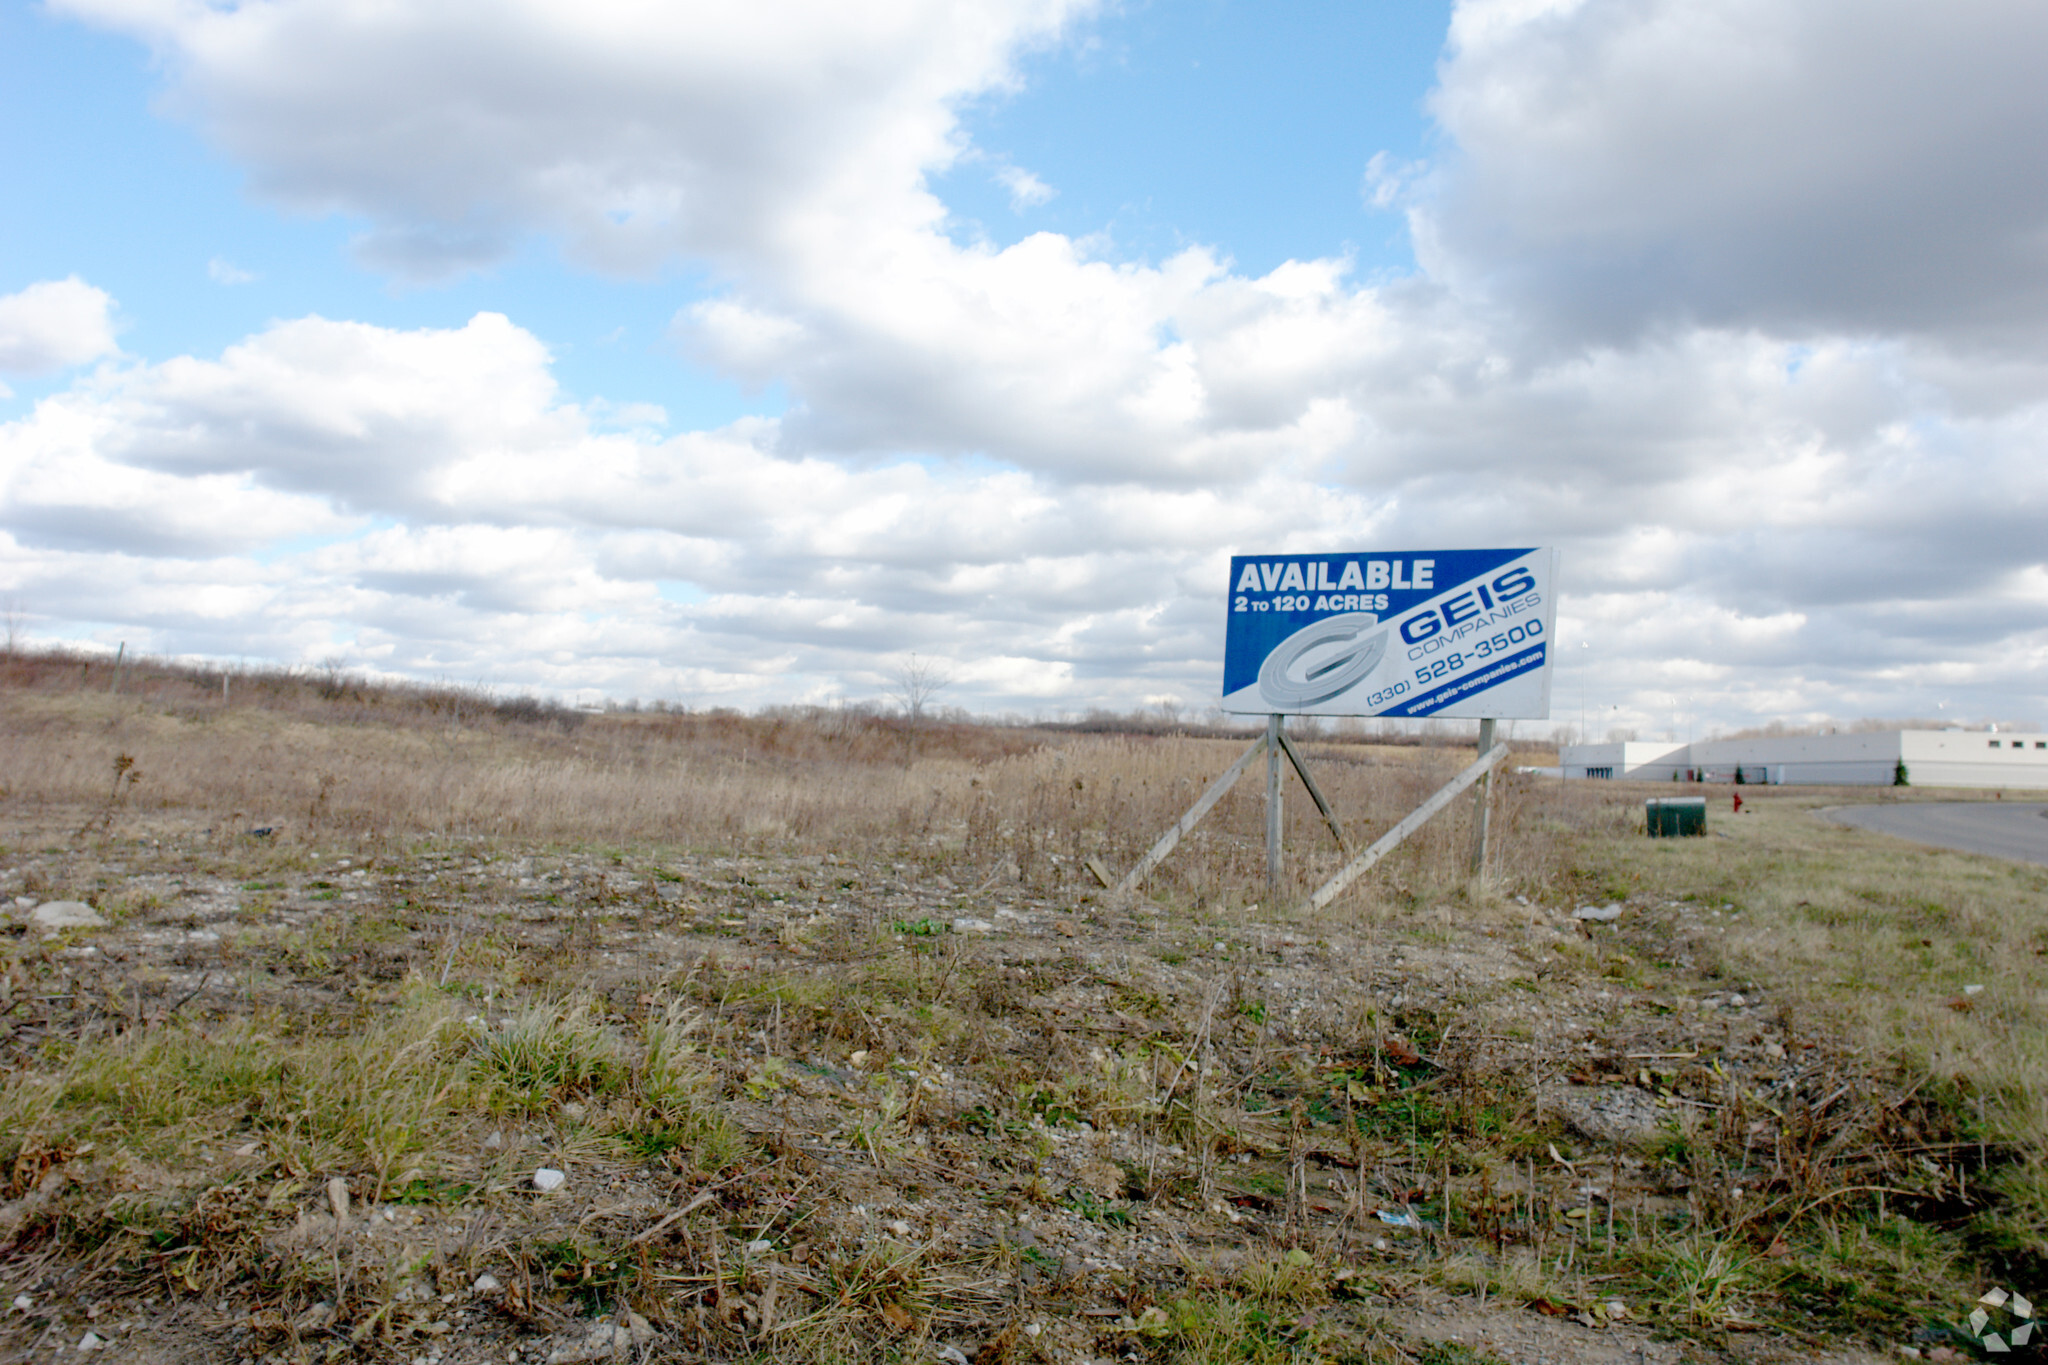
{"points": [[1392, 633]]}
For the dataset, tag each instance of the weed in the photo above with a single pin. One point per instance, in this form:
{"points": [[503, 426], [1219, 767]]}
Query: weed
{"points": [[1053, 1107], [1851, 1270], [1254, 1316], [1097, 1209], [1707, 1281], [1454, 1353], [440, 1193], [596, 1277], [546, 1054], [673, 1076], [879, 1289]]}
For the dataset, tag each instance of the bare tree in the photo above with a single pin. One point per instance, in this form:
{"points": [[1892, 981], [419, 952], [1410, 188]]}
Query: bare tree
{"points": [[917, 682], [12, 615]]}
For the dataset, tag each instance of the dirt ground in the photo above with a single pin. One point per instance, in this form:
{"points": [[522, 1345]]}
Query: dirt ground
{"points": [[970, 1122]]}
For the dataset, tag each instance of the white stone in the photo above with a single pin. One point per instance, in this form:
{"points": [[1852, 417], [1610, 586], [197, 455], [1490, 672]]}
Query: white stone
{"points": [[486, 1284], [967, 925], [91, 1341], [66, 915], [547, 1179]]}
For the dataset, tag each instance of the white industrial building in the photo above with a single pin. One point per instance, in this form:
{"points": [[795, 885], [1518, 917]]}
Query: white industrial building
{"points": [[1933, 758]]}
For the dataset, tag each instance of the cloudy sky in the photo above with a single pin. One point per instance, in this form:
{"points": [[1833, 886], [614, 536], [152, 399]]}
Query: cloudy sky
{"points": [[731, 354]]}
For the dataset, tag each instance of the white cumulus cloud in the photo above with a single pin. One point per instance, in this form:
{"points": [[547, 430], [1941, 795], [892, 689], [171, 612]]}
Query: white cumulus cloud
{"points": [[1728, 519], [1802, 165], [1026, 190], [54, 324], [635, 130]]}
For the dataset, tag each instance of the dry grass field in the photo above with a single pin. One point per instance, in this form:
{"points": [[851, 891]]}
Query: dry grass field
{"points": [[843, 1054]]}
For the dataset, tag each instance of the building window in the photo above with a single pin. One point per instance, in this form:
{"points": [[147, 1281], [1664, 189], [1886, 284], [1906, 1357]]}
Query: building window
{"points": [[1599, 772], [2041, 744], [1994, 744]]}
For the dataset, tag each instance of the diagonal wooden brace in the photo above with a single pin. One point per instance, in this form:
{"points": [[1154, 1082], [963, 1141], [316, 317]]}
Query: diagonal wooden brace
{"points": [[1187, 822], [1394, 837], [1315, 793]]}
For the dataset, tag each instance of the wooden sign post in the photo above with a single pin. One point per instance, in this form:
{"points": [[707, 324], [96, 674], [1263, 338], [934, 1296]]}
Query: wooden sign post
{"points": [[1273, 866], [1274, 743], [1482, 805]]}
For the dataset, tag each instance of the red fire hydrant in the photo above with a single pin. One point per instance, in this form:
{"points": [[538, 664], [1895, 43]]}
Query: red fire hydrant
{"points": [[1738, 803]]}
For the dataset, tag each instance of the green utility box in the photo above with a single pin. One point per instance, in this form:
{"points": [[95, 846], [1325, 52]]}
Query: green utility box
{"points": [[1668, 817]]}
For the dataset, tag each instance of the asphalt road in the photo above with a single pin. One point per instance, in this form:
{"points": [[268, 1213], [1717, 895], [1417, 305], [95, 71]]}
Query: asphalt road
{"points": [[2003, 829]]}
